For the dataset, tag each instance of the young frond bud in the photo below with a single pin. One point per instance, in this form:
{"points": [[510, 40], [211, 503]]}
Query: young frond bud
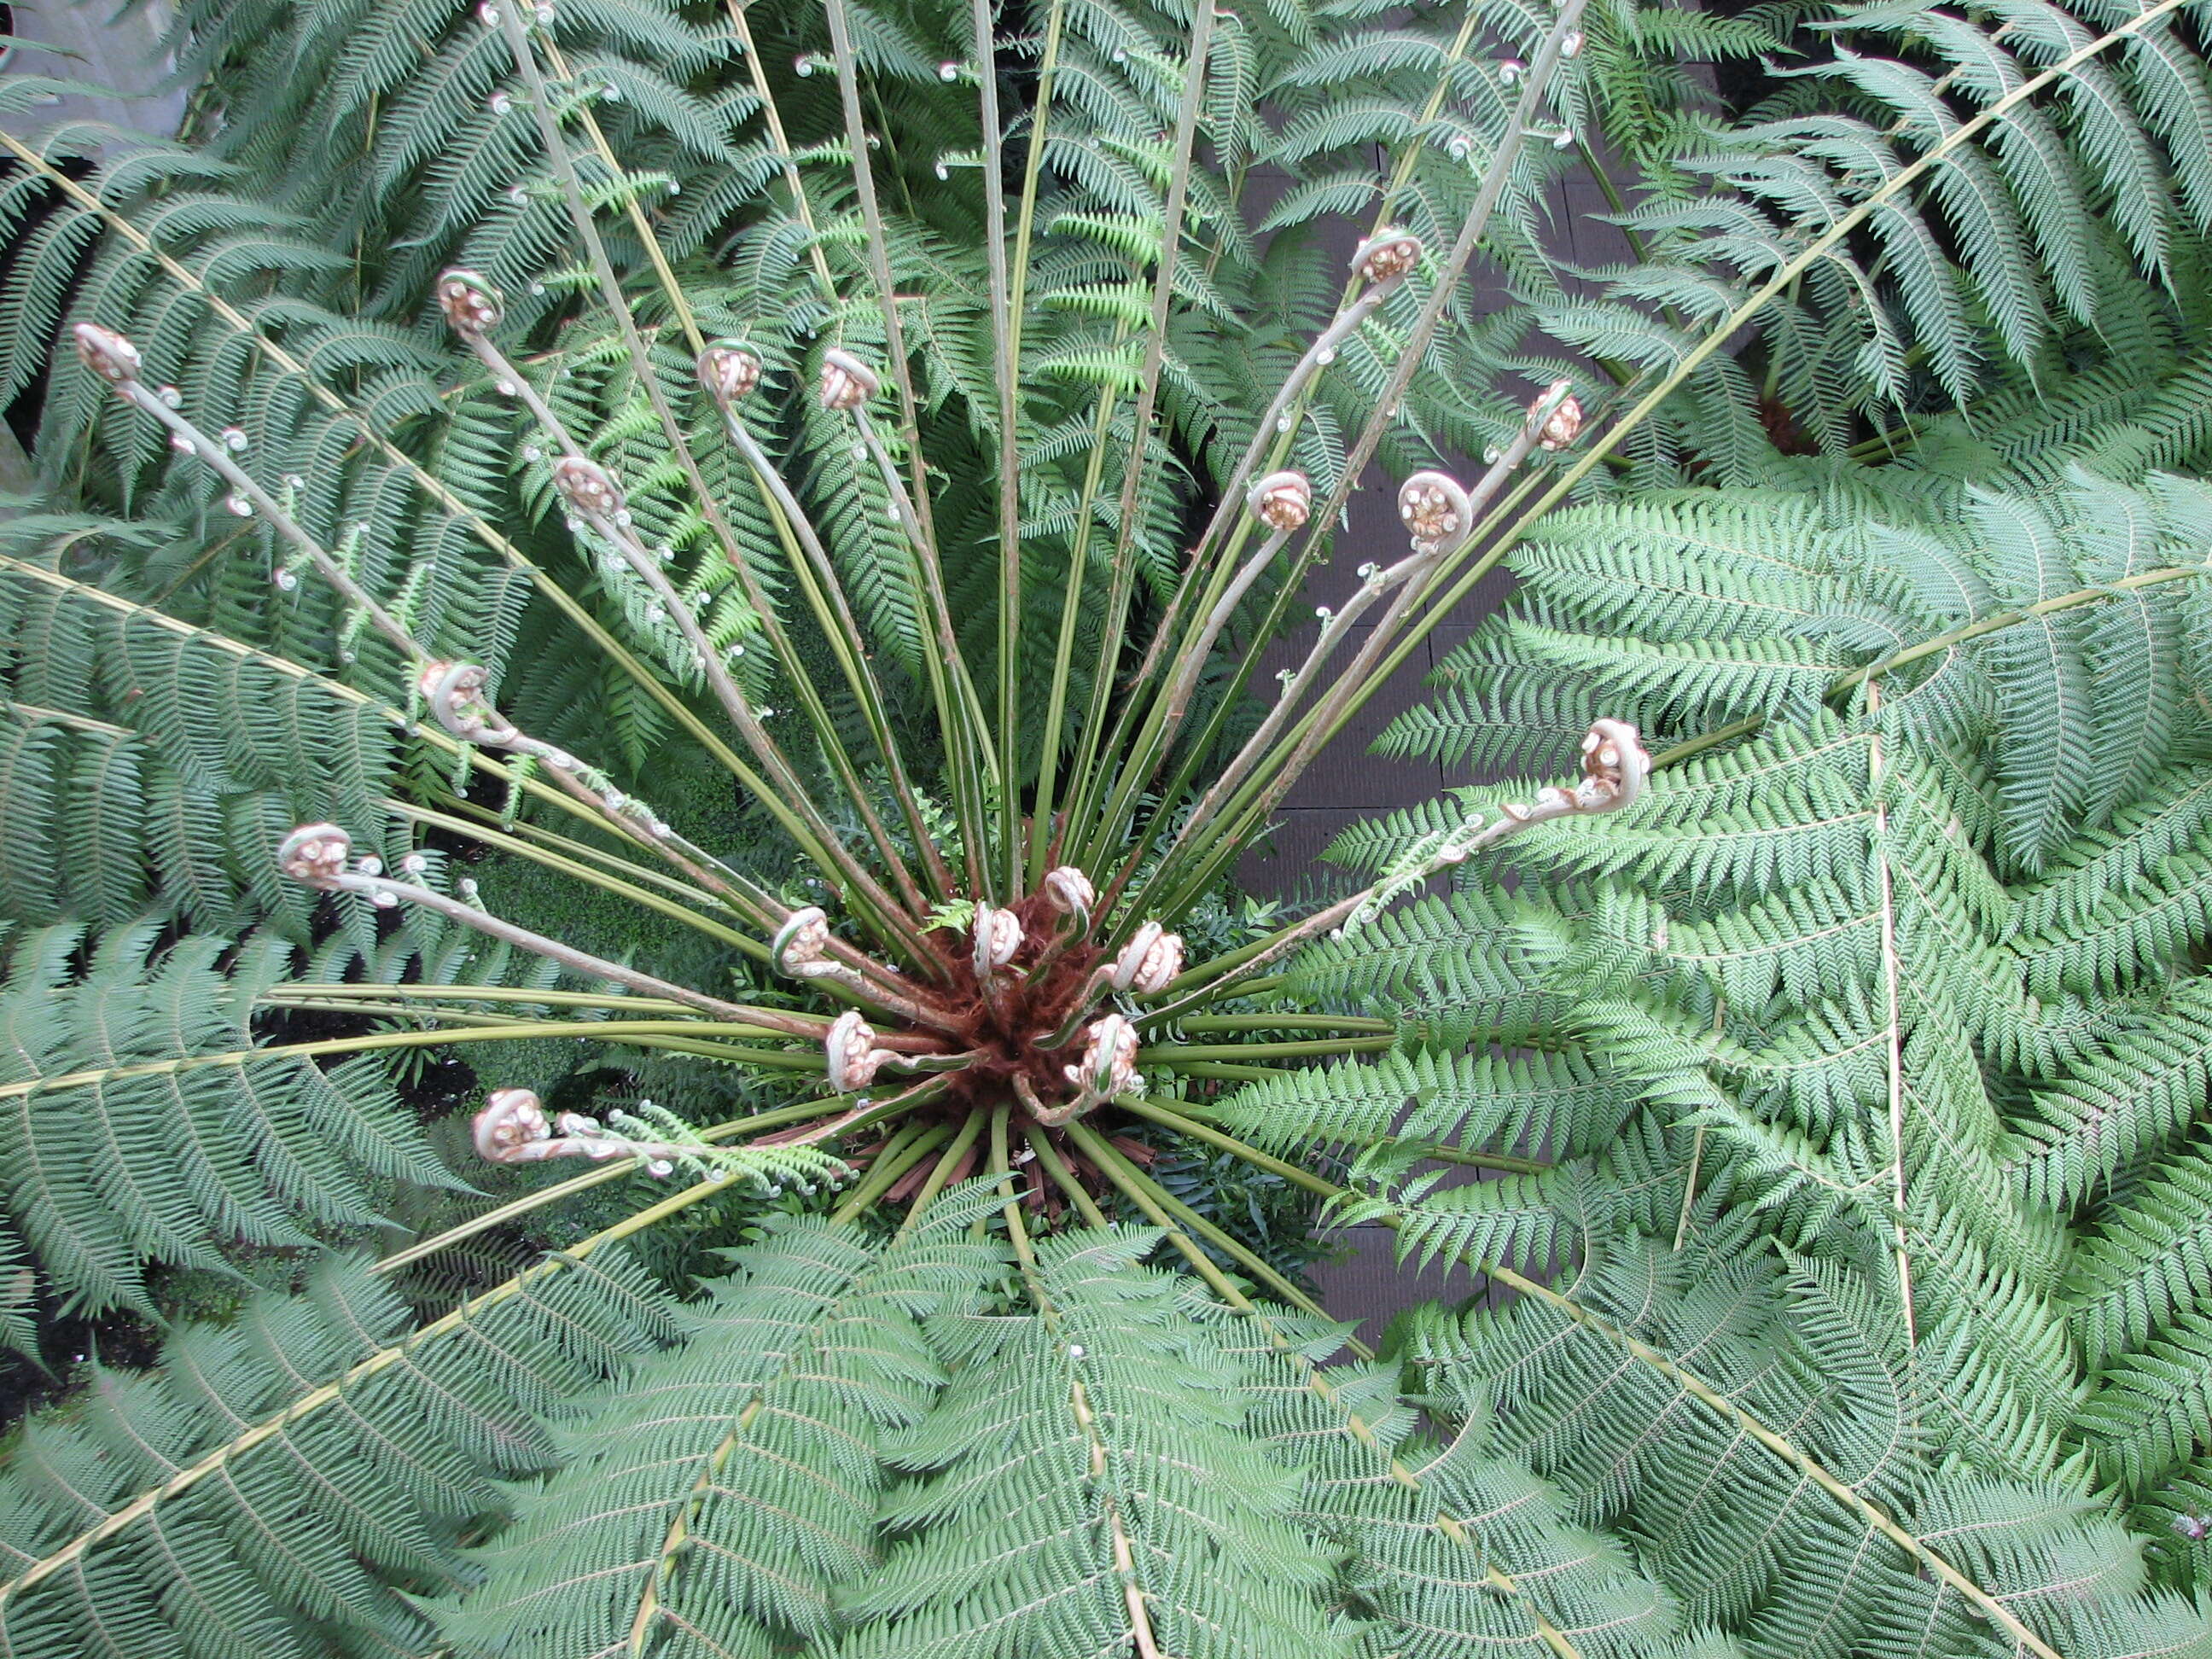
{"points": [[473, 306], [1110, 1060], [998, 936], [1150, 958], [1565, 423], [802, 943], [847, 382], [1070, 891], [850, 1049], [315, 854], [1161, 964], [729, 369], [106, 353], [511, 1128], [454, 694], [1281, 500], [587, 487], [1433, 507], [1615, 767], [1387, 256]]}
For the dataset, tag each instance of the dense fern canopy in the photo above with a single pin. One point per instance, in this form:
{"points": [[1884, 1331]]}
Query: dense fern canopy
{"points": [[676, 592]]}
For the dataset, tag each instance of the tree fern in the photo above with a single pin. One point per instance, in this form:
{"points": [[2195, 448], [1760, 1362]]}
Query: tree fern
{"points": [[496, 440]]}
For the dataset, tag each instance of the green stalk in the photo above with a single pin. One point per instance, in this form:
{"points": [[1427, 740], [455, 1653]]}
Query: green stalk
{"points": [[1118, 1171], [1018, 278], [789, 1060], [1041, 821], [1233, 1051], [1122, 572], [465, 992], [962, 1144], [579, 871], [900, 1153], [817, 575], [1042, 835], [1281, 445], [1167, 1061], [1010, 495], [460, 807], [1048, 1158], [1320, 525], [1172, 1212], [959, 711], [1285, 1023], [1990, 624]]}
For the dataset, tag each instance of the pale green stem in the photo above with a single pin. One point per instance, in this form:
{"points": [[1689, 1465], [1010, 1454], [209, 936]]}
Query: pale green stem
{"points": [[1003, 361], [1044, 837], [1173, 1214]]}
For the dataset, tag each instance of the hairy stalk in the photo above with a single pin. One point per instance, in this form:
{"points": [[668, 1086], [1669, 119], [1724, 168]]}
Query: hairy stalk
{"points": [[596, 500], [1614, 771], [290, 670], [613, 1169], [372, 434], [966, 739], [1452, 267]]}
